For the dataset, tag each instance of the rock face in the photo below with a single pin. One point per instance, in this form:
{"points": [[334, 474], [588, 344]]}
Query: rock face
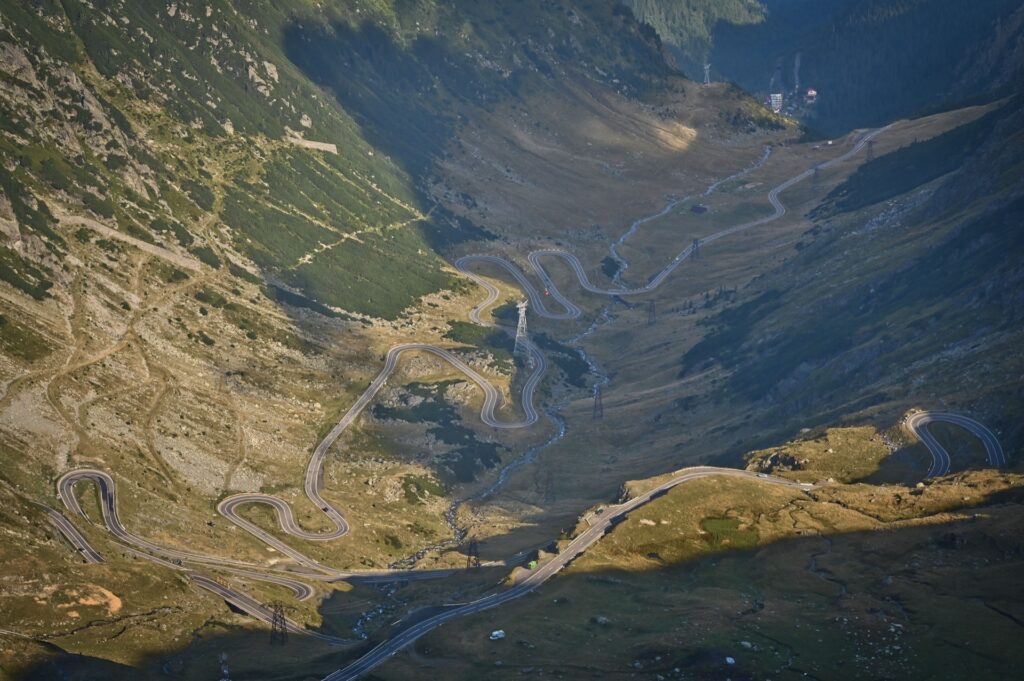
{"points": [[8, 221], [14, 61], [776, 461]]}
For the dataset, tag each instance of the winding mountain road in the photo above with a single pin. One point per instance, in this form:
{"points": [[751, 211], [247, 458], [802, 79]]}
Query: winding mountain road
{"points": [[286, 518], [572, 311], [256, 609], [112, 519], [176, 557], [493, 401], [941, 463], [917, 423], [71, 533], [492, 398]]}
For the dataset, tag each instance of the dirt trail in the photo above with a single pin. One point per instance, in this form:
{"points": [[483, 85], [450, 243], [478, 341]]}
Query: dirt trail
{"points": [[160, 377], [78, 358], [178, 259], [243, 449]]}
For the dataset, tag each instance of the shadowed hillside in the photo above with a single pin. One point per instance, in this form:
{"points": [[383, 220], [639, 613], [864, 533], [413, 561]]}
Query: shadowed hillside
{"points": [[869, 61]]}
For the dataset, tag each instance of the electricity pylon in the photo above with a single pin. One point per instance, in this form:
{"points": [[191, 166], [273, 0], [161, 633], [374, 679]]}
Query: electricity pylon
{"points": [[520, 346]]}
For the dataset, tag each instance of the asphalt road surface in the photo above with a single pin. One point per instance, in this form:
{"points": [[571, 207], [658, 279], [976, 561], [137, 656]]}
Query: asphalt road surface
{"points": [[492, 398], [917, 423], [941, 463], [71, 533], [286, 518], [261, 612], [176, 557]]}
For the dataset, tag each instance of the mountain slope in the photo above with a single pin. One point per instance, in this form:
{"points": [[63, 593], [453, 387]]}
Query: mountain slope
{"points": [[872, 62], [177, 124], [833, 330], [688, 25], [732, 578]]}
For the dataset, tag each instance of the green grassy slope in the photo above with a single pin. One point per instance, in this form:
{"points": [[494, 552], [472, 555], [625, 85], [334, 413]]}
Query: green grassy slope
{"points": [[173, 121], [168, 121]]}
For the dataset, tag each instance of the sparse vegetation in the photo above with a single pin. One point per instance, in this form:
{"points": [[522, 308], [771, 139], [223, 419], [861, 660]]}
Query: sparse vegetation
{"points": [[23, 275], [496, 341], [688, 24], [727, 533], [610, 266], [912, 166], [466, 454], [207, 256], [20, 341], [855, 454], [565, 358], [417, 487]]}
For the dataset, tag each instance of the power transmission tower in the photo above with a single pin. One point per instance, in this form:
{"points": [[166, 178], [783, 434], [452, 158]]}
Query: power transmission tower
{"points": [[520, 346], [707, 74], [652, 313], [598, 404], [473, 554], [871, 149], [278, 624]]}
